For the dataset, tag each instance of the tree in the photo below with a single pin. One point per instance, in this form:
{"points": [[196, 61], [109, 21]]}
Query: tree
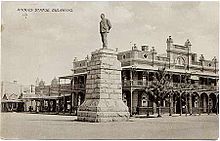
{"points": [[159, 88]]}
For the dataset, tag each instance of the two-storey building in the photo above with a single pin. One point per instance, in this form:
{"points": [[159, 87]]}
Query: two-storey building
{"points": [[193, 80]]}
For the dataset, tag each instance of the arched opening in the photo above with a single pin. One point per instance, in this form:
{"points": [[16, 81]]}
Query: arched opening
{"points": [[178, 102], [52, 105], [184, 102], [81, 80], [212, 103], [81, 98], [144, 100], [68, 103], [195, 103], [136, 101], [166, 102], [146, 103], [180, 60], [204, 102], [126, 97]]}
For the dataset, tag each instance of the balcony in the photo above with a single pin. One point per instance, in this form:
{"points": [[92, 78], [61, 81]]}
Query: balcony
{"points": [[68, 88], [141, 83], [208, 87], [65, 87], [135, 83], [79, 86]]}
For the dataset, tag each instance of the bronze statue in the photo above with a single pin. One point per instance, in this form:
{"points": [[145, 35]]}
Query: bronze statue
{"points": [[105, 26]]}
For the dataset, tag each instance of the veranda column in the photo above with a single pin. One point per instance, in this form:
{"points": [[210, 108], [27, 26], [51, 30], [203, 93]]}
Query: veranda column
{"points": [[42, 105], [164, 103], [32, 106], [72, 103], [204, 105], [35, 105], [154, 107], [171, 104], [175, 102], [181, 110], [64, 104], [125, 76], [217, 104], [16, 109], [49, 106], [208, 104], [186, 106], [38, 107], [76, 102], [199, 104], [144, 78], [131, 85], [190, 104], [147, 78], [54, 105], [57, 106]]}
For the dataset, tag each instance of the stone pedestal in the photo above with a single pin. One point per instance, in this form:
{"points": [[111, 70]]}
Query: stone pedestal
{"points": [[103, 101]]}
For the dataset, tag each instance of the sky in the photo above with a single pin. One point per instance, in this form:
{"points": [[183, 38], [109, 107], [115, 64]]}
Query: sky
{"points": [[43, 44]]}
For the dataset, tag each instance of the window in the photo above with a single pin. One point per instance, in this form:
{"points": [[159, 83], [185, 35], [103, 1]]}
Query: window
{"points": [[193, 58], [144, 102], [123, 57], [151, 76], [180, 60]]}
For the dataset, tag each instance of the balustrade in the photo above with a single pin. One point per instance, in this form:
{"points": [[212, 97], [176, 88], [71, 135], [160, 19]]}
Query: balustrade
{"points": [[65, 87], [133, 83], [141, 83]]}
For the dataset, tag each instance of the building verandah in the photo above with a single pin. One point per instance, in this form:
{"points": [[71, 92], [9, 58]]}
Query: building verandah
{"points": [[76, 88], [63, 96], [12, 106], [174, 103], [187, 96]]}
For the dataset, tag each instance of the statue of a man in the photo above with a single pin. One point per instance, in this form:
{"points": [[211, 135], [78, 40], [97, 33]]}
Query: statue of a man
{"points": [[105, 26]]}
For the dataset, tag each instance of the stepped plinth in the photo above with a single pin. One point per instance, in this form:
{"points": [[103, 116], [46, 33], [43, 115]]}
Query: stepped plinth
{"points": [[103, 100]]}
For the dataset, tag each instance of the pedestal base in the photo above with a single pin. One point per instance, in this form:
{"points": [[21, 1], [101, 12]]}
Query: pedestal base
{"points": [[103, 110]]}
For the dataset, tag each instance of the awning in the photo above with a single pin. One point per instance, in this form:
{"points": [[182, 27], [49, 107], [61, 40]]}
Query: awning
{"points": [[80, 73], [12, 101], [47, 97], [66, 77]]}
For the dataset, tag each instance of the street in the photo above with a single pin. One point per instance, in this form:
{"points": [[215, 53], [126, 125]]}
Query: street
{"points": [[38, 126]]}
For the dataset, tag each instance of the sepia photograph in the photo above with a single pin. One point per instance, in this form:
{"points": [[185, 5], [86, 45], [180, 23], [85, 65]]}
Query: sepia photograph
{"points": [[76, 70]]}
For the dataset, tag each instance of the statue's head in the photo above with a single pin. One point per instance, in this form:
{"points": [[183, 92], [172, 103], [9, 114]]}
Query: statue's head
{"points": [[102, 16]]}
